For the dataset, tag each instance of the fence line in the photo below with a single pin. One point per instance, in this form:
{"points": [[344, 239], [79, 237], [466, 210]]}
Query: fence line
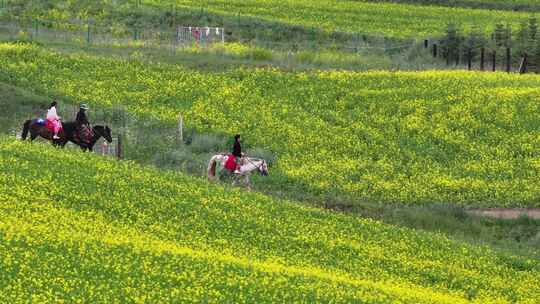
{"points": [[110, 36], [168, 41], [90, 33], [466, 57]]}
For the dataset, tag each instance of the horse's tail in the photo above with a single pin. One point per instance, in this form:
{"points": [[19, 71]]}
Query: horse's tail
{"points": [[26, 128], [211, 171]]}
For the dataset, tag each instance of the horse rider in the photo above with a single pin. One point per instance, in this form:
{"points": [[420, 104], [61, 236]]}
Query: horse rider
{"points": [[237, 152], [83, 125], [54, 119]]}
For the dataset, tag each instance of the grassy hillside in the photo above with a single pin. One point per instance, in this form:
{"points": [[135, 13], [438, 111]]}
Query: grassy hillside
{"points": [[518, 237], [79, 227], [388, 19], [413, 138], [395, 20]]}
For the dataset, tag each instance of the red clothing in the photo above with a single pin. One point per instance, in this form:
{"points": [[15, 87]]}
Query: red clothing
{"points": [[53, 125], [197, 34], [230, 164]]}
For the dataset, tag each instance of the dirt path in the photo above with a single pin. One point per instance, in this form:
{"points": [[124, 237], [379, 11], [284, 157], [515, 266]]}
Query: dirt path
{"points": [[503, 213]]}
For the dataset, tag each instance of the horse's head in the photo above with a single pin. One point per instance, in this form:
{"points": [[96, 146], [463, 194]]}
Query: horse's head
{"points": [[107, 134], [104, 131], [263, 168]]}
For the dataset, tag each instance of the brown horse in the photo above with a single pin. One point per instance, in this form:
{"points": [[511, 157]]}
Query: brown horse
{"points": [[36, 129], [68, 133]]}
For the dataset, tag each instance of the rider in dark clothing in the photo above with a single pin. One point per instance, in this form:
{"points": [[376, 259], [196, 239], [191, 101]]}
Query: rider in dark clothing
{"points": [[81, 118], [237, 148], [83, 126], [237, 151]]}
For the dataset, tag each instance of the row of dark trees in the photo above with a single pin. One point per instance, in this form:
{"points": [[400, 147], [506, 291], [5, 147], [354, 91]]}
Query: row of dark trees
{"points": [[504, 43]]}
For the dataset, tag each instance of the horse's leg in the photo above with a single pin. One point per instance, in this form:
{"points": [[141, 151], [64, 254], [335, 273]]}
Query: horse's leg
{"points": [[33, 136], [248, 185]]}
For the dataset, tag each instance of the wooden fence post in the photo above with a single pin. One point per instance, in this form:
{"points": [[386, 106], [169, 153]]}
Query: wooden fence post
{"points": [[36, 29], [523, 65], [88, 32], [180, 130], [508, 60], [482, 58], [119, 152], [494, 61], [469, 59], [74, 112]]}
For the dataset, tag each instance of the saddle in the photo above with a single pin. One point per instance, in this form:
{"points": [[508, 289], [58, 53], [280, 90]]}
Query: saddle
{"points": [[84, 134]]}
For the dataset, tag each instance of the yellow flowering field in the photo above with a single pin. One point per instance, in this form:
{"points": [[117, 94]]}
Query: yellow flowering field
{"points": [[395, 20], [80, 228], [391, 20], [466, 138]]}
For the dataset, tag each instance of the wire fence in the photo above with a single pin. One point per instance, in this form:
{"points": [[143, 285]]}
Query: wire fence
{"points": [[89, 33]]}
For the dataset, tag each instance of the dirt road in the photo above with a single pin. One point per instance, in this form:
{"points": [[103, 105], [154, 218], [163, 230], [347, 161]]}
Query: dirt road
{"points": [[503, 213]]}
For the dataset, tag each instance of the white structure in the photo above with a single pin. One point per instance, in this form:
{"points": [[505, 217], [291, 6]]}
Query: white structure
{"points": [[202, 35]]}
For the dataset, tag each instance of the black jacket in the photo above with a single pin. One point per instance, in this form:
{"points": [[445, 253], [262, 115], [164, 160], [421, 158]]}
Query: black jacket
{"points": [[237, 149], [81, 118]]}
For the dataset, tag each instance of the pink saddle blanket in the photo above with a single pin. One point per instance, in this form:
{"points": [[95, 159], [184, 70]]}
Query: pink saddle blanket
{"points": [[49, 125]]}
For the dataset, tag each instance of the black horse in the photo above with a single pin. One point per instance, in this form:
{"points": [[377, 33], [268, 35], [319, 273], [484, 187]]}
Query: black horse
{"points": [[69, 133], [73, 135]]}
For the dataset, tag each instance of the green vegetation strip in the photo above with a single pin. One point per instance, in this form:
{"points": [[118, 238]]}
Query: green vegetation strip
{"points": [[79, 227], [515, 5], [413, 138]]}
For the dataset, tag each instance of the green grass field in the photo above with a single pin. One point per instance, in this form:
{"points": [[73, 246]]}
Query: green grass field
{"points": [[116, 231]]}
